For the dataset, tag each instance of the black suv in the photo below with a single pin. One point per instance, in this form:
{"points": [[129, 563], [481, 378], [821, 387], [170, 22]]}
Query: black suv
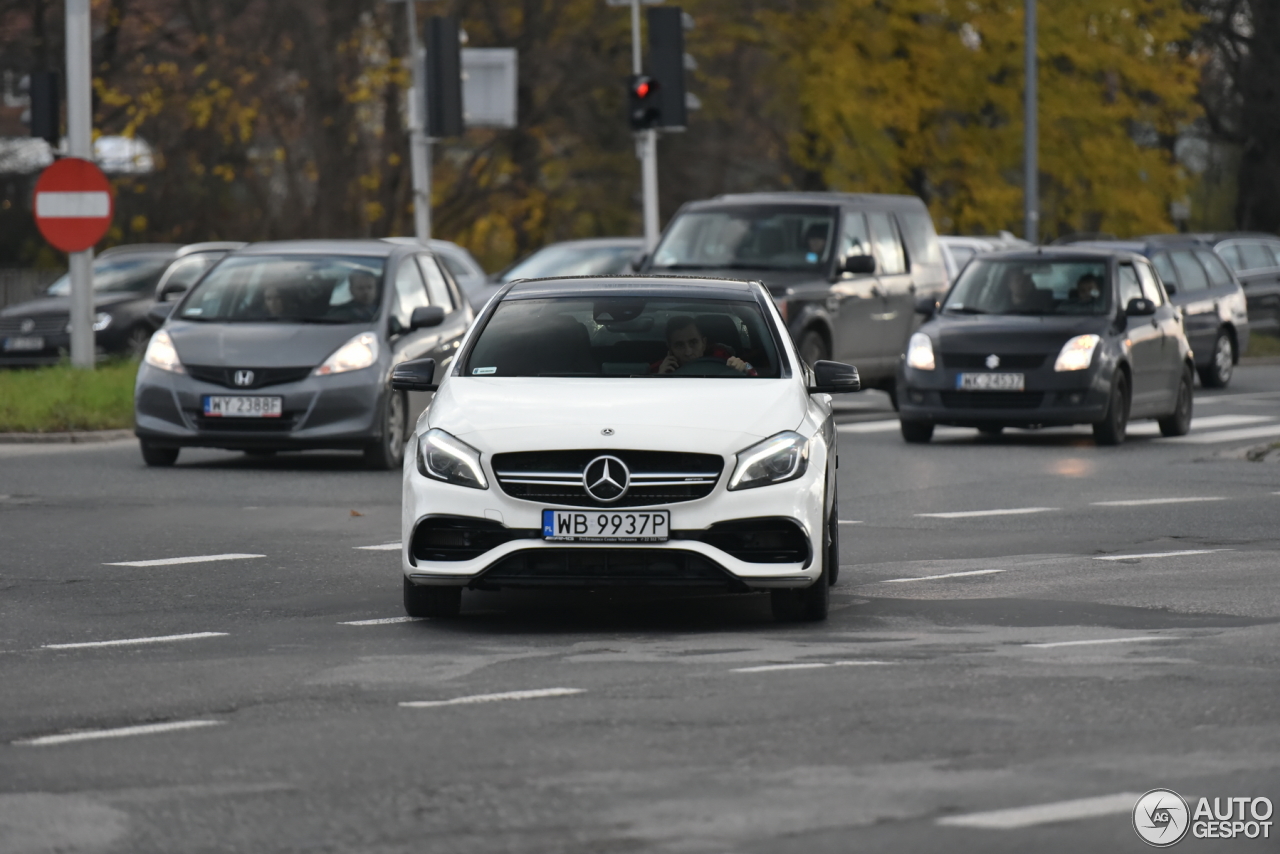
{"points": [[845, 269]]}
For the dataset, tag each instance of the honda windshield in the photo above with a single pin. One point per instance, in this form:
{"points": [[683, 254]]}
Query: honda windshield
{"points": [[756, 237], [288, 289], [1033, 287]]}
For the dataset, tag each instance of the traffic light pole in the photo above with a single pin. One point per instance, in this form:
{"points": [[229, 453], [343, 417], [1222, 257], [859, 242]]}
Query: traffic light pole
{"points": [[1031, 132], [80, 144], [646, 147], [419, 143]]}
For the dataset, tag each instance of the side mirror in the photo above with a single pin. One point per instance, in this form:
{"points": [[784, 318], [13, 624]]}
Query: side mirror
{"points": [[1170, 288], [417, 375], [928, 306], [858, 264], [834, 378], [160, 312], [1139, 307], [424, 317]]}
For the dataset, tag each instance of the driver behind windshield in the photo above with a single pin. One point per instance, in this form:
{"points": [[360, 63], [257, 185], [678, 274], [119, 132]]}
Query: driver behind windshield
{"points": [[364, 297], [686, 344]]}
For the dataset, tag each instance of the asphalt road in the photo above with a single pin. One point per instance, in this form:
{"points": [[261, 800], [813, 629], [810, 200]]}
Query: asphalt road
{"points": [[1005, 682]]}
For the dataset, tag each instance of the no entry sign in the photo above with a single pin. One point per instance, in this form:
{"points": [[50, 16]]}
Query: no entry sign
{"points": [[73, 204]]}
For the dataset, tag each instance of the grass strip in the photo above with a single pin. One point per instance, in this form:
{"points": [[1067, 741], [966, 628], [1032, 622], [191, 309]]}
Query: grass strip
{"points": [[1262, 344], [62, 398]]}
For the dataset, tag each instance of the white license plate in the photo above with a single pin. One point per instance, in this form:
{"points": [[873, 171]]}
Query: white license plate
{"points": [[991, 382], [17, 344], [237, 406], [606, 526]]}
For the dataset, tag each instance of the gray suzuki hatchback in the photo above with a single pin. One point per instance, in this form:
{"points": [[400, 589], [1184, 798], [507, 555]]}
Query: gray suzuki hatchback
{"points": [[290, 346]]}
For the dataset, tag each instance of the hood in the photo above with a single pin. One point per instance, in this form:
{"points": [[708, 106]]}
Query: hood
{"points": [[775, 280], [259, 345], [1011, 333], [43, 306], [704, 415]]}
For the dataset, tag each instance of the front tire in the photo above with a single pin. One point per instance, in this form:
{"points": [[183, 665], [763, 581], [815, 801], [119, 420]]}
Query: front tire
{"points": [[810, 605], [1110, 430], [916, 432], [422, 601], [388, 451], [1179, 422], [1217, 374], [158, 456]]}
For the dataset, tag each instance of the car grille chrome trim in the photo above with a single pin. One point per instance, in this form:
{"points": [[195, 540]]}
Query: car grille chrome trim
{"points": [[657, 477], [262, 377]]}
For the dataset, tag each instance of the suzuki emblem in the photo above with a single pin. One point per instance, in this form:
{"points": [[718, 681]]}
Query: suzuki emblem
{"points": [[28, 324], [993, 361]]}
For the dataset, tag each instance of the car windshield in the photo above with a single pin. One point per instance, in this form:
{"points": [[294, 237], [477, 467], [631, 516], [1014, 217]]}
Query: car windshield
{"points": [[624, 337], [572, 260], [761, 237], [288, 289], [998, 286], [118, 274]]}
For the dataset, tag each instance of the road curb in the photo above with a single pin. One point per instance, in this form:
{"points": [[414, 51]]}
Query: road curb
{"points": [[72, 437]]}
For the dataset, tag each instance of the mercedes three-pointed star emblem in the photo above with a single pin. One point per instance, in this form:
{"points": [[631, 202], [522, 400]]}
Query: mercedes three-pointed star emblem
{"points": [[606, 479]]}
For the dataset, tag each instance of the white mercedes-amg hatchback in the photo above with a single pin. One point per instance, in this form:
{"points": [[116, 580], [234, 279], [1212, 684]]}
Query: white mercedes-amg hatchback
{"points": [[624, 432]]}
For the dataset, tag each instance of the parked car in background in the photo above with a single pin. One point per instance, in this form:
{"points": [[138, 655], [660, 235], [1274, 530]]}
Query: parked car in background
{"points": [[290, 345], [460, 264], [37, 332], [1049, 337], [845, 269], [963, 249], [1255, 259], [189, 264], [1203, 288], [594, 256]]}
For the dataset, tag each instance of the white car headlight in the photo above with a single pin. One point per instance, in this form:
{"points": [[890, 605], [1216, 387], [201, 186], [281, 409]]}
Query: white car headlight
{"points": [[358, 353], [777, 459], [1077, 353], [162, 354], [920, 352], [101, 321], [448, 458]]}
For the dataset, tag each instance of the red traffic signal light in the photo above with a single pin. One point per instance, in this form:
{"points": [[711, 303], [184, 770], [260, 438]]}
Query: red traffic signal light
{"points": [[642, 102], [642, 88]]}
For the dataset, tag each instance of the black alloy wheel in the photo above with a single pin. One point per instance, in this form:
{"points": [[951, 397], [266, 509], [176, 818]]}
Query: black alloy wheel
{"points": [[424, 601], [810, 604], [135, 343], [388, 452], [892, 390], [813, 347], [1110, 430], [1179, 422], [158, 456], [1218, 372], [916, 432]]}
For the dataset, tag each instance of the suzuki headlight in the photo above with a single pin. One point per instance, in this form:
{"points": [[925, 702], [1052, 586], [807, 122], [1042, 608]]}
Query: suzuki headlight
{"points": [[358, 353], [777, 459], [1077, 353], [161, 354], [920, 352], [448, 458], [101, 321]]}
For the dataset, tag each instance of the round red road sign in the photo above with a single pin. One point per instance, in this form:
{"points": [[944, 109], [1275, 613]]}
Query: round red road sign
{"points": [[73, 204]]}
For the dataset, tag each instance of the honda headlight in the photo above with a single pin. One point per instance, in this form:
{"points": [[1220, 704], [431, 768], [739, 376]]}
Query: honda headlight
{"points": [[445, 457], [161, 354], [101, 321], [1077, 353], [777, 459], [358, 353], [920, 352]]}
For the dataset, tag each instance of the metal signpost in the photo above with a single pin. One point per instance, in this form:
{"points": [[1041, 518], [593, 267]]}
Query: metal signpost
{"points": [[646, 147], [1030, 142], [80, 144], [419, 144]]}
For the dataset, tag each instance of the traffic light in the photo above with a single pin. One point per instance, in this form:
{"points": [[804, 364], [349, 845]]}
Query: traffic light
{"points": [[46, 106], [643, 94], [667, 64], [444, 78]]}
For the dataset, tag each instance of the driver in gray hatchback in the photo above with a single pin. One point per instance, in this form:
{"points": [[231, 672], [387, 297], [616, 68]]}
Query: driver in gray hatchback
{"points": [[686, 343]]}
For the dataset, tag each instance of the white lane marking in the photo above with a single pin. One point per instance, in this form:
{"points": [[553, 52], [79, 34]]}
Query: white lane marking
{"points": [[1162, 554], [807, 665], [1227, 435], [385, 547], [383, 621], [120, 732], [493, 698], [936, 577], [1142, 502], [965, 514], [1010, 819], [848, 522], [868, 426], [132, 641], [72, 205], [170, 561], [1095, 642]]}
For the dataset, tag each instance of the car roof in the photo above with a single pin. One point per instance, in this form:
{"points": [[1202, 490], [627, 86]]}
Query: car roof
{"points": [[597, 241], [1145, 245], [322, 247], [647, 286], [211, 246], [141, 249], [1073, 252], [811, 198]]}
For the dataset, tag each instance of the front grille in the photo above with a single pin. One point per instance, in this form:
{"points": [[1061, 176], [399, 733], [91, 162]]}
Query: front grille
{"points": [[283, 424], [1008, 361], [587, 567], [992, 399], [48, 324], [461, 537], [756, 540], [657, 477], [262, 377]]}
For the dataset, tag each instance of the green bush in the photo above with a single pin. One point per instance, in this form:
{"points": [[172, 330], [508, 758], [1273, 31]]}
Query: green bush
{"points": [[1261, 344], [50, 400]]}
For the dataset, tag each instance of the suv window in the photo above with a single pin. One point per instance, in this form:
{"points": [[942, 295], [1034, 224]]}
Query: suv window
{"points": [[1191, 276], [437, 289], [1219, 275], [884, 239], [455, 266], [1150, 287], [854, 239], [1130, 289], [1165, 268], [922, 240], [1255, 256], [411, 293]]}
